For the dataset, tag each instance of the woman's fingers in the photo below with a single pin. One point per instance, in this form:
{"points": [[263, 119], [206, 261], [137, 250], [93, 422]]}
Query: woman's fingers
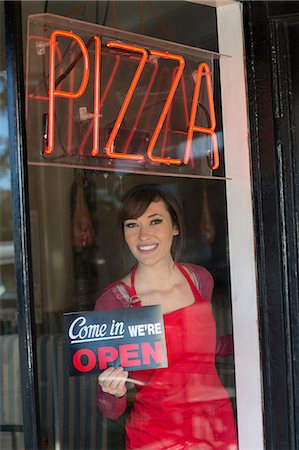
{"points": [[113, 381], [105, 374]]}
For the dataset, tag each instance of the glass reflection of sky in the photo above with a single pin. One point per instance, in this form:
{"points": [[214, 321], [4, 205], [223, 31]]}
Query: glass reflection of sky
{"points": [[4, 160]]}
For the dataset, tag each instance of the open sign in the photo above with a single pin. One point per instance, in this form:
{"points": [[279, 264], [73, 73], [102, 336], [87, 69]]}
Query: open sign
{"points": [[129, 337]]}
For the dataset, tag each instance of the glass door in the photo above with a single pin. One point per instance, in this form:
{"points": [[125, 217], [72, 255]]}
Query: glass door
{"points": [[77, 179]]}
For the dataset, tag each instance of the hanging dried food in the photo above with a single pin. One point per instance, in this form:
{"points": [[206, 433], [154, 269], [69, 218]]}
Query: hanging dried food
{"points": [[82, 226], [206, 225]]}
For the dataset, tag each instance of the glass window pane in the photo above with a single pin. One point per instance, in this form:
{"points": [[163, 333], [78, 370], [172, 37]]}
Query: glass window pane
{"points": [[77, 253]]}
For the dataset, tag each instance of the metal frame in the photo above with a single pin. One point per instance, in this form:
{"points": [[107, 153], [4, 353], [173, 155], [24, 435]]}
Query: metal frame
{"points": [[21, 228]]}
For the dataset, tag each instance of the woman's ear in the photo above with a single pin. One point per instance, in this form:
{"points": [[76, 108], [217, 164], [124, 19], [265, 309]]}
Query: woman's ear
{"points": [[176, 232]]}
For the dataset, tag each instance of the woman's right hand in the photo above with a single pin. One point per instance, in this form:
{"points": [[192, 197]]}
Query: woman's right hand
{"points": [[113, 381]]}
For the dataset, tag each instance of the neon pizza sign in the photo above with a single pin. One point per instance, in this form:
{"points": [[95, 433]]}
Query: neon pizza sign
{"points": [[110, 100]]}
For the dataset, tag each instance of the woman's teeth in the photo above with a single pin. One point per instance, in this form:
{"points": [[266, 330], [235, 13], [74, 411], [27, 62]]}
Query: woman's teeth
{"points": [[146, 248]]}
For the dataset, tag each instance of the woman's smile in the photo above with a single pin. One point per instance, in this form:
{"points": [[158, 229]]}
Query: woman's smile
{"points": [[147, 248]]}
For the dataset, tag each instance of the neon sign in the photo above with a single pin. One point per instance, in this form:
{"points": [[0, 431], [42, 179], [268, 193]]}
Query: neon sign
{"points": [[110, 100]]}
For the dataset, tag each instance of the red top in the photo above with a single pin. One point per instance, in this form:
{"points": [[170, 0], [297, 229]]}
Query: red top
{"points": [[184, 405]]}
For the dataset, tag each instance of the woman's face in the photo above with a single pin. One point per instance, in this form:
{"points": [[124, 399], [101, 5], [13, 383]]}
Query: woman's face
{"points": [[149, 237]]}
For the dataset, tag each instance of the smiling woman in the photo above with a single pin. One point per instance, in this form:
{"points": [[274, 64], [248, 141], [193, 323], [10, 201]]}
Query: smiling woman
{"points": [[184, 405], [136, 203], [149, 237]]}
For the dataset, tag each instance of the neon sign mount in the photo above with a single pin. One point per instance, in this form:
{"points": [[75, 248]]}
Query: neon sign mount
{"points": [[124, 106]]}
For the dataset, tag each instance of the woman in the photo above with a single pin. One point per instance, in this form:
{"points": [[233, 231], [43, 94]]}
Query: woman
{"points": [[185, 405]]}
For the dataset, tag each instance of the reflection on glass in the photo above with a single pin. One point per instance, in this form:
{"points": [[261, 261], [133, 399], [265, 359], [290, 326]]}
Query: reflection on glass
{"points": [[11, 421]]}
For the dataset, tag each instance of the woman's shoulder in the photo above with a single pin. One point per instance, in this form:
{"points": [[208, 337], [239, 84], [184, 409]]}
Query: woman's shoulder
{"points": [[114, 295], [203, 279], [198, 271]]}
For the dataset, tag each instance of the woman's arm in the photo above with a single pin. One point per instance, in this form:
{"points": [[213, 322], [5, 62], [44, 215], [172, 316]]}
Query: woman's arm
{"points": [[111, 395], [112, 392], [112, 407]]}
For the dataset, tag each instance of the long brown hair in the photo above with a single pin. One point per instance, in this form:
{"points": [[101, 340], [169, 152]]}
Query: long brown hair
{"points": [[138, 199]]}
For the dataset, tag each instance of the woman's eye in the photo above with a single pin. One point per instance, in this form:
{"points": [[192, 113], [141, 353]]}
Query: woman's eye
{"points": [[131, 225], [156, 221]]}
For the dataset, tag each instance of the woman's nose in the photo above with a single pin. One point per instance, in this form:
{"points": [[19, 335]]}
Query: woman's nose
{"points": [[144, 232]]}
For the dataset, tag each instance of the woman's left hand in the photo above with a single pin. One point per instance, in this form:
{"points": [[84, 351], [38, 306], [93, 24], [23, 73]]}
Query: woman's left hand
{"points": [[113, 381]]}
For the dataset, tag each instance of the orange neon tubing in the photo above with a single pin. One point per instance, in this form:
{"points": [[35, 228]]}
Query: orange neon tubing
{"points": [[166, 107], [143, 103], [97, 106], [54, 92], [203, 69], [186, 111], [71, 109], [109, 147], [183, 85], [111, 78], [84, 51]]}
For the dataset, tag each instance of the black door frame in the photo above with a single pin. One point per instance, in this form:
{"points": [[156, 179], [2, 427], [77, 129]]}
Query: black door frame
{"points": [[275, 188], [21, 225]]}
